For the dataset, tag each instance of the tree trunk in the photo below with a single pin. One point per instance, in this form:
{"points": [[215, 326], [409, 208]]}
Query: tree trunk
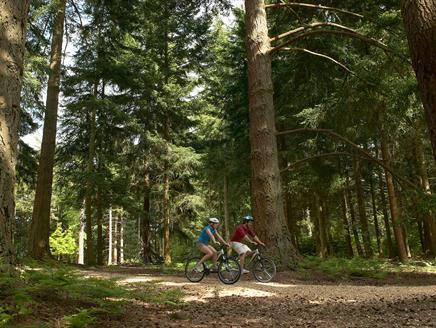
{"points": [[420, 25], [81, 259], [166, 221], [226, 208], [99, 228], [393, 201], [145, 226], [13, 20], [290, 218], [110, 248], [115, 240], [374, 213], [390, 245], [323, 235], [349, 204], [121, 240], [361, 207], [266, 191], [347, 232], [40, 227], [90, 258], [429, 222]]}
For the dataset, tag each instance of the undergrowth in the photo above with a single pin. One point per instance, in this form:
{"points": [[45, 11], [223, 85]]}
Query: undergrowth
{"points": [[37, 295], [360, 267]]}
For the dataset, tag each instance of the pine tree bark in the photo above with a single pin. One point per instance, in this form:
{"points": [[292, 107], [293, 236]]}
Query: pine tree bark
{"points": [[290, 218], [266, 193], [40, 227], [419, 18], [99, 206], [429, 222], [90, 258], [115, 240], [81, 259], [145, 226], [166, 223], [13, 19], [361, 207], [393, 201], [390, 245], [374, 213], [110, 248], [349, 204], [121, 239], [346, 225], [226, 208]]}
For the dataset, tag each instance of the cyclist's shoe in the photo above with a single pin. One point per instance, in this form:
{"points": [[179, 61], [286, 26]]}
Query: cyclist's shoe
{"points": [[198, 268], [244, 271]]}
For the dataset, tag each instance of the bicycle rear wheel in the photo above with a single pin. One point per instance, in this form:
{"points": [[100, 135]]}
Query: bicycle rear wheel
{"points": [[229, 271], [191, 272], [264, 270]]}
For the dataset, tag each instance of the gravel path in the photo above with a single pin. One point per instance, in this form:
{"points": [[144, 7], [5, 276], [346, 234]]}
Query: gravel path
{"points": [[403, 301]]}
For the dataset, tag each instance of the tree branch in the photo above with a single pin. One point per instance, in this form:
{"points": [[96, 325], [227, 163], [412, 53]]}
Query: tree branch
{"points": [[365, 154], [322, 56], [308, 5], [303, 28], [291, 166], [346, 33], [77, 12]]}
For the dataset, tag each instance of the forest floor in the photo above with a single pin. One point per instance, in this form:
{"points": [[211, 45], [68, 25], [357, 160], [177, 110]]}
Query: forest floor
{"points": [[291, 300]]}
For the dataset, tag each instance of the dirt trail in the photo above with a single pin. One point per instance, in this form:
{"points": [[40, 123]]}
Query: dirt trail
{"points": [[405, 301]]}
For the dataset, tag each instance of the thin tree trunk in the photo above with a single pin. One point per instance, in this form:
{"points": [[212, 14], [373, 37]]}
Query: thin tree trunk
{"points": [[40, 227], [374, 213], [90, 258], [361, 207], [346, 225], [166, 223], [81, 259], [145, 230], [110, 248], [115, 240], [226, 208], [390, 245], [290, 218], [99, 228], [13, 19], [349, 204], [429, 224], [121, 234], [266, 191], [393, 201], [420, 25], [323, 234]]}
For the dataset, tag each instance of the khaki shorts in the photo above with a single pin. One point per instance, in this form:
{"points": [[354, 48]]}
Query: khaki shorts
{"points": [[240, 248]]}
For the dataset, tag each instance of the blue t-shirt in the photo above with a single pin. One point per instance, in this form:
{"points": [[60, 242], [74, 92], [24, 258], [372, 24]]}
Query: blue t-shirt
{"points": [[204, 236]]}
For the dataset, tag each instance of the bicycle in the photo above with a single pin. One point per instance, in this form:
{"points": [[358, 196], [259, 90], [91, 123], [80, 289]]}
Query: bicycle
{"points": [[263, 268], [229, 269]]}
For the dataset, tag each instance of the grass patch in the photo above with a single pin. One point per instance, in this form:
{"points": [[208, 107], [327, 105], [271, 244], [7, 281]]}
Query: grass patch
{"points": [[45, 293], [359, 267]]}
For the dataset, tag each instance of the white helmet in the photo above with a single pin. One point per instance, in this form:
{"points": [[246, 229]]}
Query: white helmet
{"points": [[214, 220]]}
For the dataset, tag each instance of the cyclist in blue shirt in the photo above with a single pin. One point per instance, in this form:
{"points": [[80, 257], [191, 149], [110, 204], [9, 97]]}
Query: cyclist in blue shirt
{"points": [[209, 232]]}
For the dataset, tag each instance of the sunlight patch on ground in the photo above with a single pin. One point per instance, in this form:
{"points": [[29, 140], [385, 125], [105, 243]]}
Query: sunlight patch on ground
{"points": [[136, 279], [275, 284], [244, 292]]}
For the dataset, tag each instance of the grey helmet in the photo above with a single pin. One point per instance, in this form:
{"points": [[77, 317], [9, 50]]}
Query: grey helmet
{"points": [[248, 218]]}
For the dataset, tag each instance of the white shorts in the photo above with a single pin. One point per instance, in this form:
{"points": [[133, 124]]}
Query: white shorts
{"points": [[240, 248]]}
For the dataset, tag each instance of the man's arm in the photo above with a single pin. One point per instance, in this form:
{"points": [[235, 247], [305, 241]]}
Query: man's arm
{"points": [[211, 235]]}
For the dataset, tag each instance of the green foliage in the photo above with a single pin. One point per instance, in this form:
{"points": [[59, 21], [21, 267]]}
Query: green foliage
{"points": [[359, 267], [81, 319], [85, 300], [62, 242]]}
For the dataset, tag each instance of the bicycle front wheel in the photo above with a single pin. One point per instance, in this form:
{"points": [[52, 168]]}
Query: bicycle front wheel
{"points": [[229, 271], [264, 270], [191, 271]]}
